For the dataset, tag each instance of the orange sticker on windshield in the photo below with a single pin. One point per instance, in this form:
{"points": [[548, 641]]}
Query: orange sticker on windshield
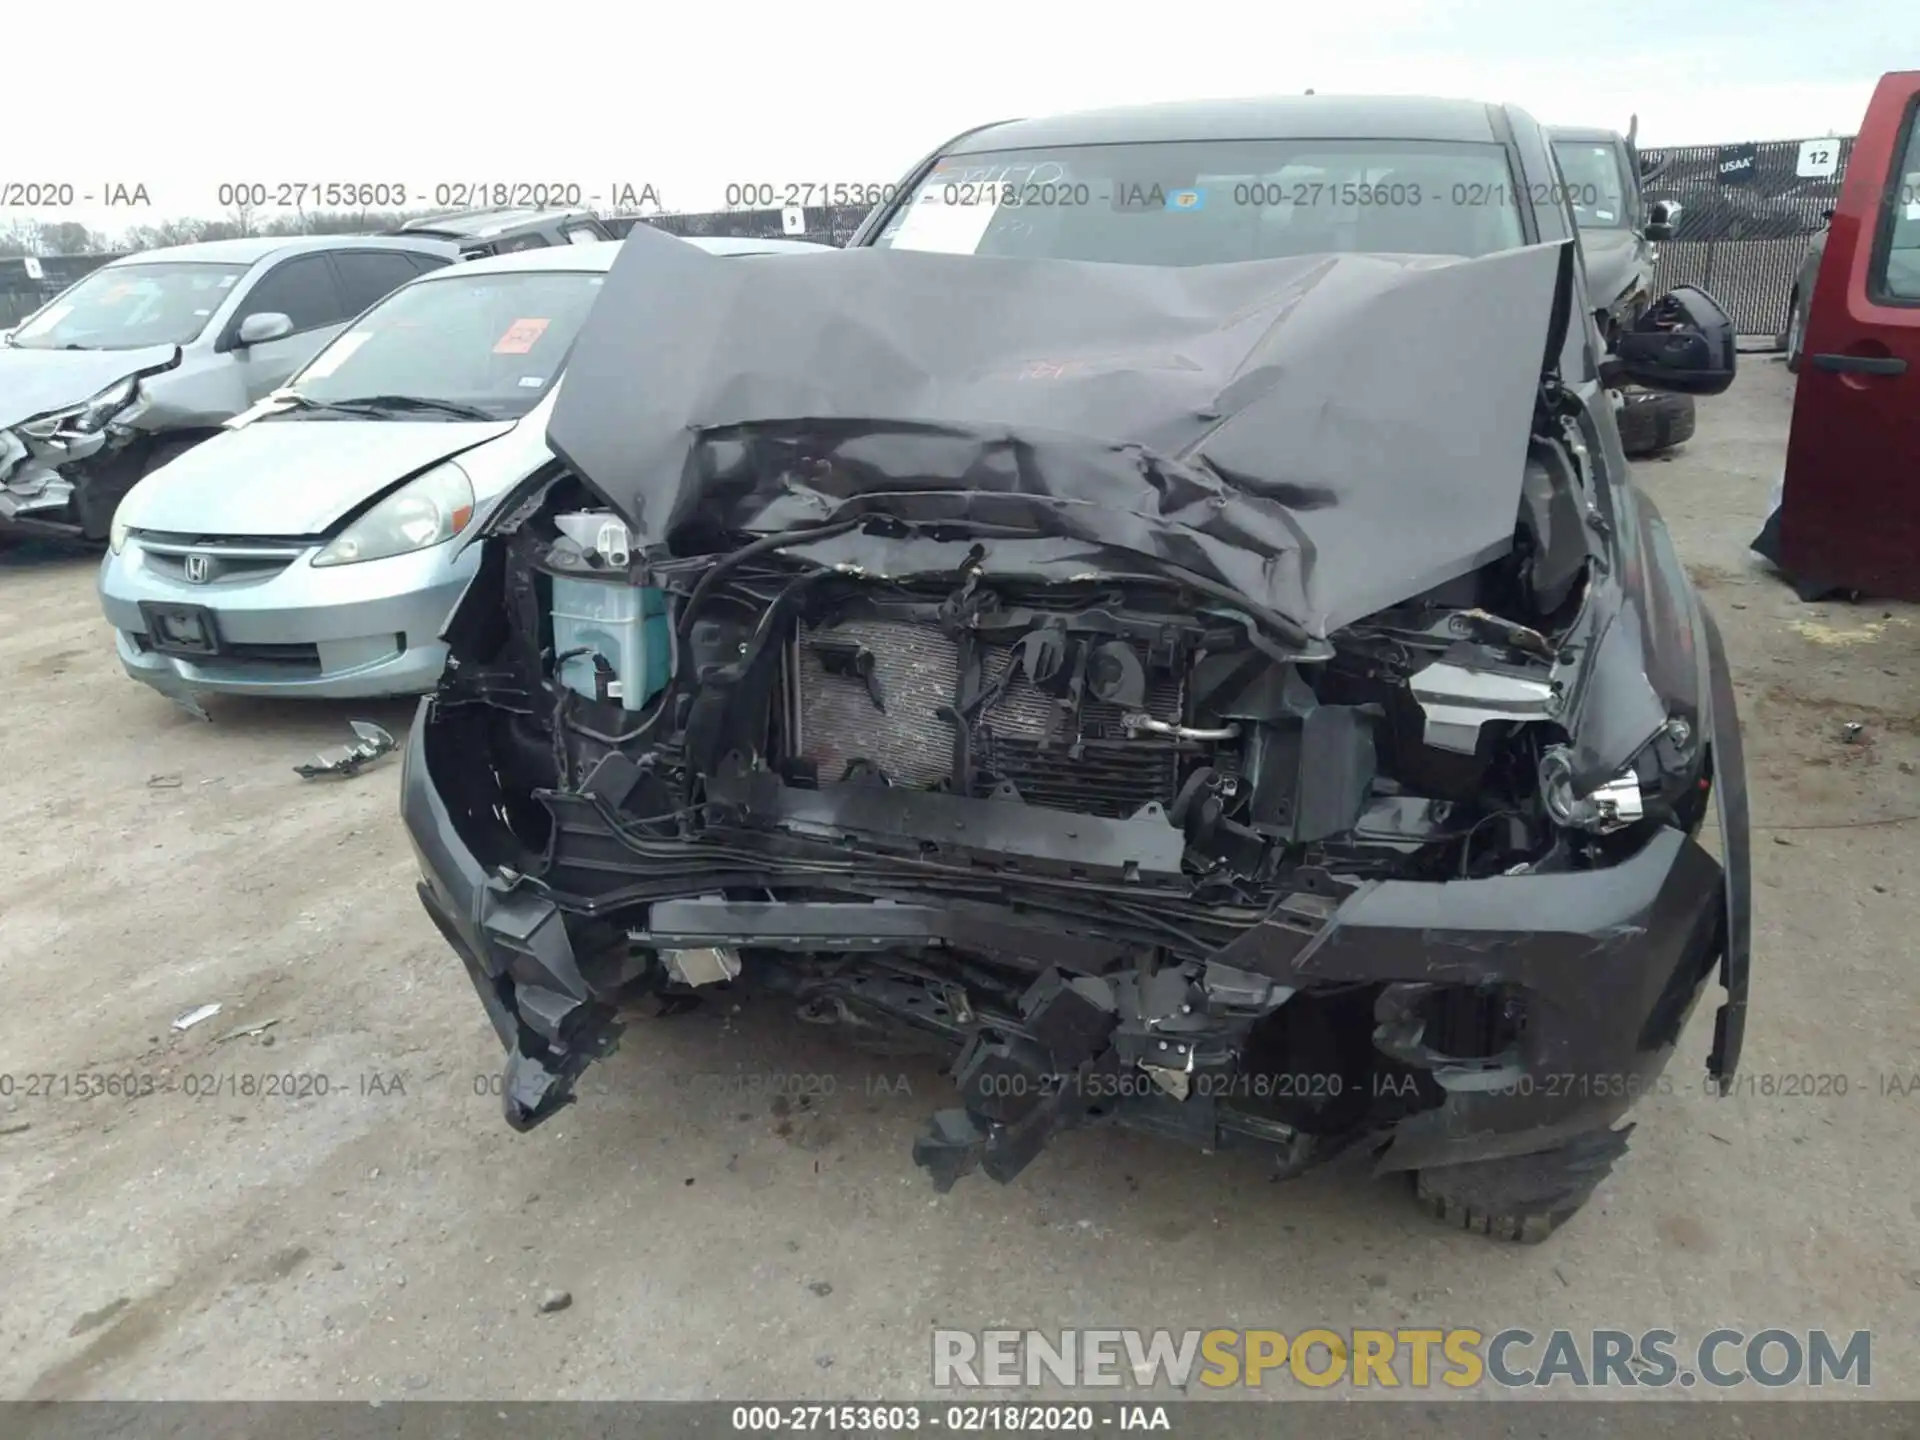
{"points": [[521, 337]]}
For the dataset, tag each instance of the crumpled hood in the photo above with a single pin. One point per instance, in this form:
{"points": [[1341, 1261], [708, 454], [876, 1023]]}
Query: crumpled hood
{"points": [[1611, 256], [1326, 435], [293, 477], [38, 382]]}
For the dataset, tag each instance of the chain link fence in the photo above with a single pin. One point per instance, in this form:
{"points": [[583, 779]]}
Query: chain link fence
{"points": [[28, 281], [1748, 213]]}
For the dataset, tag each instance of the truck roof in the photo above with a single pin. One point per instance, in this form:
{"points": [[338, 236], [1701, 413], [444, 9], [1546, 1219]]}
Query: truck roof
{"points": [[1344, 117], [1594, 133]]}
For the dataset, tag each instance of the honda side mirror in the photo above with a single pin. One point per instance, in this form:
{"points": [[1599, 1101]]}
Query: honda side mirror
{"points": [[263, 326], [1682, 343]]}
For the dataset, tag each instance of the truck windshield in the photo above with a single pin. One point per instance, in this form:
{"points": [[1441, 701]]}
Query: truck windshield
{"points": [[1591, 170], [1215, 201], [125, 307], [491, 343]]}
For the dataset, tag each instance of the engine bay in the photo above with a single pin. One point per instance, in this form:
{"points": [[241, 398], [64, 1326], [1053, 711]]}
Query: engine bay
{"points": [[1081, 837]]}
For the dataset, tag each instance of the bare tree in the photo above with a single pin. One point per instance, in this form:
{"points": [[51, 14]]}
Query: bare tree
{"points": [[167, 232], [69, 237], [21, 237], [240, 215]]}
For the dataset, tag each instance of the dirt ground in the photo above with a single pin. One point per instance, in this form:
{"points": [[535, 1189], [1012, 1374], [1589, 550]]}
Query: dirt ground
{"points": [[219, 1237]]}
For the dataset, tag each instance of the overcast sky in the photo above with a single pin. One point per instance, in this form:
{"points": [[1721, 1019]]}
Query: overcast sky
{"points": [[689, 98]]}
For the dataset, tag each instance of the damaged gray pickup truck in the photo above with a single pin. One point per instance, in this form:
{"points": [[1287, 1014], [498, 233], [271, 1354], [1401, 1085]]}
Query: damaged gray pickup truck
{"points": [[1186, 648]]}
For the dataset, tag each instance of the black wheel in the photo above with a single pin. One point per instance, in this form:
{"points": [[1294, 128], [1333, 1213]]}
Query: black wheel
{"points": [[1796, 333], [1651, 421], [1526, 1198]]}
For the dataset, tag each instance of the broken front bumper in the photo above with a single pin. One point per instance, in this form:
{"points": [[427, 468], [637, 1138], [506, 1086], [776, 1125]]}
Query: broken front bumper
{"points": [[1603, 968], [37, 479]]}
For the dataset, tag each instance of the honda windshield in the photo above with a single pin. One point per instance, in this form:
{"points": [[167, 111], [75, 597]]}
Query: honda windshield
{"points": [[491, 344], [1210, 202], [125, 307]]}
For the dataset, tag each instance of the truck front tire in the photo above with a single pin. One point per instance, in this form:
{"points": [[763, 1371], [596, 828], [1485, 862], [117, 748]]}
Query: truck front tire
{"points": [[1526, 1198], [1651, 422]]}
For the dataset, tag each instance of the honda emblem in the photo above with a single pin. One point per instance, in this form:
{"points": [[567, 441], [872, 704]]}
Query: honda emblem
{"points": [[199, 567]]}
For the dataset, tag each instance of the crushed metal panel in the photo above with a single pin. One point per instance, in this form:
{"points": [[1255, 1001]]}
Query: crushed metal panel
{"points": [[1323, 435]]}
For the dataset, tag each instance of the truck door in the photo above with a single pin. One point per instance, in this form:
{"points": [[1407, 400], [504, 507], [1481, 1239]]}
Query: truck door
{"points": [[1850, 512]]}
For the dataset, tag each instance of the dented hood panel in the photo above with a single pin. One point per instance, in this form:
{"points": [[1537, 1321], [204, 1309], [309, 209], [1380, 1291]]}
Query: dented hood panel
{"points": [[1326, 435], [40, 382]]}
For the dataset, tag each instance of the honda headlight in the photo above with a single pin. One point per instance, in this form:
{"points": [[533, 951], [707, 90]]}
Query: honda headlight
{"points": [[103, 407], [425, 511], [117, 533]]}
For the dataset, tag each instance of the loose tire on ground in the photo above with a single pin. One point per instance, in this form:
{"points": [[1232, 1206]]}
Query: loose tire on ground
{"points": [[1524, 1199], [1651, 422]]}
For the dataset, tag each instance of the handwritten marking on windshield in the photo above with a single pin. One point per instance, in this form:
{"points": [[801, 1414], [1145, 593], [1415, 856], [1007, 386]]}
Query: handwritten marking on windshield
{"points": [[521, 337]]}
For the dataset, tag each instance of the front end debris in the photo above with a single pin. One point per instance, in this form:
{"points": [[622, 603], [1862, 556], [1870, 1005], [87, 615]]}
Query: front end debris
{"points": [[371, 743], [1155, 813], [62, 471]]}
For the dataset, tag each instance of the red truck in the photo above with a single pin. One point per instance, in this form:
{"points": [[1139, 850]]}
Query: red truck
{"points": [[1849, 517]]}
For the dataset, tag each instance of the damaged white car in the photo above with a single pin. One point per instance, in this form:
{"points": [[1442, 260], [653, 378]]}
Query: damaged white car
{"points": [[146, 357]]}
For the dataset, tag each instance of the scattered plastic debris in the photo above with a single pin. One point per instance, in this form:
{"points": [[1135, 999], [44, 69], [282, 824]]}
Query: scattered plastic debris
{"points": [[196, 1015], [163, 782], [192, 706], [245, 1030], [350, 760], [1853, 733]]}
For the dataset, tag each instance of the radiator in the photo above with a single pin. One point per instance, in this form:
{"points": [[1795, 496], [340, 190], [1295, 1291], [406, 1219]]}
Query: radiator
{"points": [[916, 668]]}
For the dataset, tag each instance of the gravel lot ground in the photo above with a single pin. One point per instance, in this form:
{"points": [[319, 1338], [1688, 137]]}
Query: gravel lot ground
{"points": [[392, 1239]]}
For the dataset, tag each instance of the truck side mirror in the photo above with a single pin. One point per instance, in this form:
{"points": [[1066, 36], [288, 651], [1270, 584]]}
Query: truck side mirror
{"points": [[1682, 343], [1662, 216]]}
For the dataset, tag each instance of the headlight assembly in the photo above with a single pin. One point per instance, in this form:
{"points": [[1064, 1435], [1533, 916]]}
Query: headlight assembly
{"points": [[1613, 806], [427, 510], [95, 414], [117, 534]]}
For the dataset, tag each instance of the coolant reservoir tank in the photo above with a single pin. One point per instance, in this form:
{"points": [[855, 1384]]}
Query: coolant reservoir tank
{"points": [[621, 626]]}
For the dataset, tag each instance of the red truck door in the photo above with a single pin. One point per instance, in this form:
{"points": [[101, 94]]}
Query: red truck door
{"points": [[1850, 516]]}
